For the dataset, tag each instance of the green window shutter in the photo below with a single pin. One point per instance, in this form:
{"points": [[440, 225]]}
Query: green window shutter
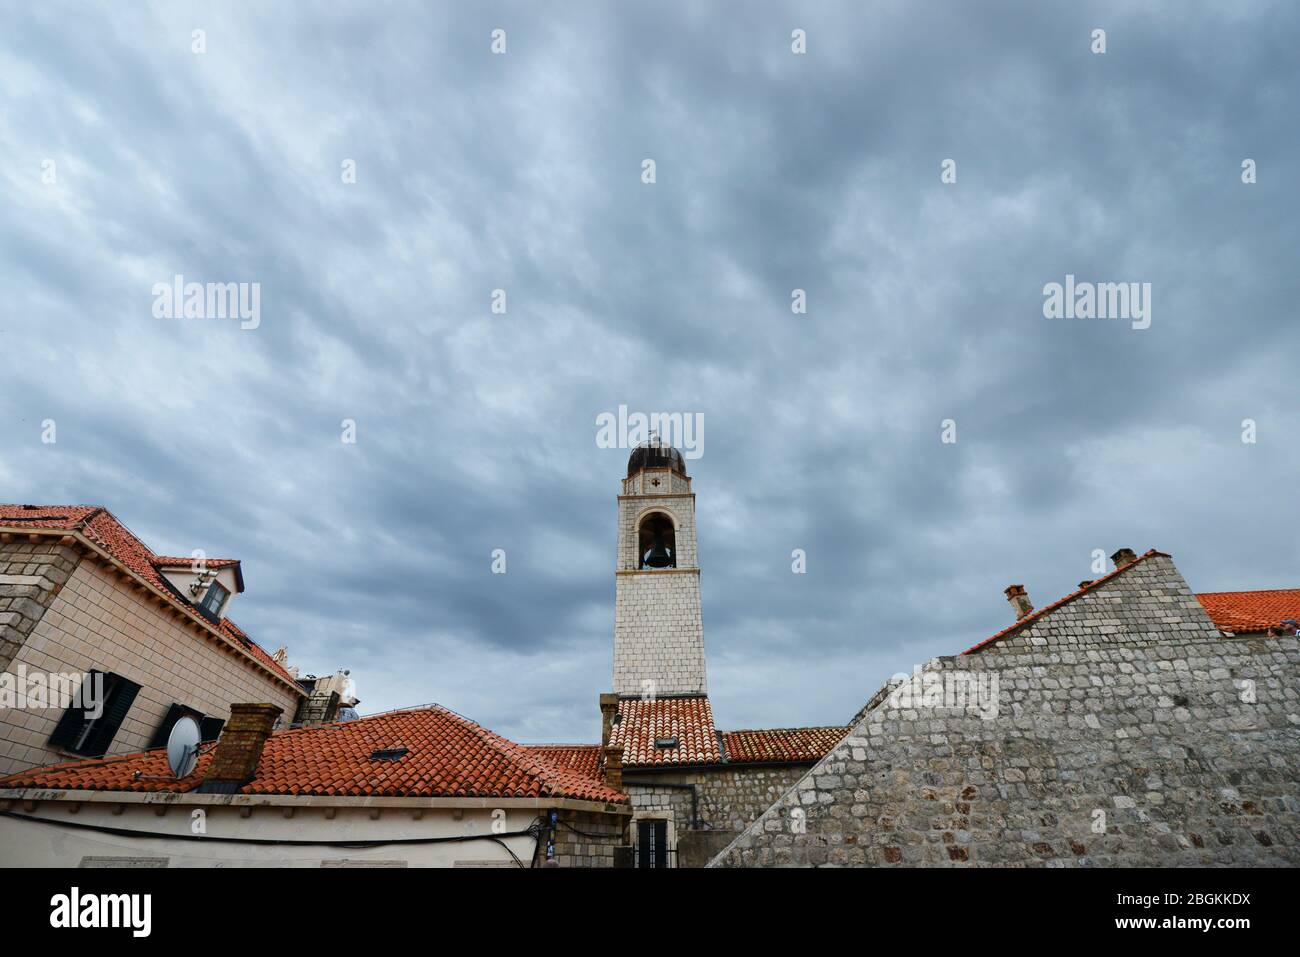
{"points": [[119, 703], [73, 721]]}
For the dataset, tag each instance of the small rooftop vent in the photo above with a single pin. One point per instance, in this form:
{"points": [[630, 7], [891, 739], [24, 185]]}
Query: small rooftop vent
{"points": [[389, 754], [666, 742]]}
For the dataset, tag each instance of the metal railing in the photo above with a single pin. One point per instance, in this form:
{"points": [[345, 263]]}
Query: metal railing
{"points": [[657, 857]]}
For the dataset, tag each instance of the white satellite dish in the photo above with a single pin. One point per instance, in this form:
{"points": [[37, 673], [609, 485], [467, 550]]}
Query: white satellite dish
{"points": [[183, 746]]}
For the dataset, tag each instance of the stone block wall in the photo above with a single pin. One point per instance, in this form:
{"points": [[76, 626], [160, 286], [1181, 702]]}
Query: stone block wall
{"points": [[658, 633], [727, 800], [586, 839], [1124, 732], [31, 575], [643, 483]]}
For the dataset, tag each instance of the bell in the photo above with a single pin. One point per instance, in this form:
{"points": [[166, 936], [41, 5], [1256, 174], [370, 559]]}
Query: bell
{"points": [[658, 556]]}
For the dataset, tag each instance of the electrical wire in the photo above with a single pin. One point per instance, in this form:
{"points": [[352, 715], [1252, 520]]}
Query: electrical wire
{"points": [[274, 842]]}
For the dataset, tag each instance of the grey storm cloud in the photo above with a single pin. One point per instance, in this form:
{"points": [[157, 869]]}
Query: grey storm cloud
{"points": [[522, 172]]}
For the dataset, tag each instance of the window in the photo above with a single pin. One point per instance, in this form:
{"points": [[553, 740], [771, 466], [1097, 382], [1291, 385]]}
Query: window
{"points": [[215, 599], [209, 728], [652, 843], [90, 730]]}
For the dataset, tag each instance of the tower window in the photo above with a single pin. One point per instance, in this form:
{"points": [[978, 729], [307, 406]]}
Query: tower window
{"points": [[658, 542]]}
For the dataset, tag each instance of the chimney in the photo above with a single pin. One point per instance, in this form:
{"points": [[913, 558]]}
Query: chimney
{"points": [[239, 749], [1125, 556], [608, 712], [613, 766], [1019, 600]]}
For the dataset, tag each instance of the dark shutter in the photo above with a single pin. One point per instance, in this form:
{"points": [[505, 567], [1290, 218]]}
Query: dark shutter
{"points": [[174, 714], [68, 731], [652, 844], [105, 728], [210, 728], [644, 836]]}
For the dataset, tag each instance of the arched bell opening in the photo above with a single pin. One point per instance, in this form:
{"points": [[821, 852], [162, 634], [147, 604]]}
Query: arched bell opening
{"points": [[657, 540]]}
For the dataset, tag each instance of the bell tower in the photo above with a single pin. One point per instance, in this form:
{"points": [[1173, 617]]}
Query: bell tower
{"points": [[658, 634]]}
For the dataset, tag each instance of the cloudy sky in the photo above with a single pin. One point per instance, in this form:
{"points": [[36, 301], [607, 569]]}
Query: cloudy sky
{"points": [[127, 158]]}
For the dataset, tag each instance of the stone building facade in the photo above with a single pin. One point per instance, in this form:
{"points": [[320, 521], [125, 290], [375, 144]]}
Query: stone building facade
{"points": [[81, 596], [706, 807], [33, 570], [1117, 727], [658, 630]]}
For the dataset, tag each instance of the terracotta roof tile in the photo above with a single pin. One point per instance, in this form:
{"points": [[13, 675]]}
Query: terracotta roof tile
{"points": [[1244, 612], [781, 744], [582, 758], [101, 527], [448, 756], [689, 720], [180, 561]]}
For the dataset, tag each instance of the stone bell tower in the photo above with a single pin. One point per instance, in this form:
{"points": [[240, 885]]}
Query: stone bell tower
{"points": [[658, 635]]}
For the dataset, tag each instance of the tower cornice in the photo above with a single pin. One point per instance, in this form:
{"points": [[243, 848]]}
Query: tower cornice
{"points": [[634, 495], [656, 571]]}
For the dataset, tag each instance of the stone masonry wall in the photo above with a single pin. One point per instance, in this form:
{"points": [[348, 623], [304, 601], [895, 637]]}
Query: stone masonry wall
{"points": [[728, 798], [31, 575], [658, 633], [1122, 731], [584, 839]]}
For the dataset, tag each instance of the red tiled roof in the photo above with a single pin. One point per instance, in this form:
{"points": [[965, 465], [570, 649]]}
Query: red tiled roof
{"points": [[1243, 612], [1034, 616], [448, 756], [689, 720], [769, 745], [781, 744], [101, 527], [583, 758], [177, 561]]}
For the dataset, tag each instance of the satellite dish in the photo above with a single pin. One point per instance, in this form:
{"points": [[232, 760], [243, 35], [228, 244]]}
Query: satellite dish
{"points": [[183, 747]]}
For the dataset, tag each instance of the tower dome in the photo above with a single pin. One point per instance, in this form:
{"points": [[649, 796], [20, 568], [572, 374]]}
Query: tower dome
{"points": [[655, 455]]}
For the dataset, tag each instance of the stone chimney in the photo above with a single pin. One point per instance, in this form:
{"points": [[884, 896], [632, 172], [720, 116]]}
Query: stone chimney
{"points": [[608, 712], [1125, 556], [239, 749], [1019, 600], [613, 766]]}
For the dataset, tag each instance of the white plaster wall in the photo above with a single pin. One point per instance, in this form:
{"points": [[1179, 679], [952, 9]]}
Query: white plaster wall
{"points": [[29, 844]]}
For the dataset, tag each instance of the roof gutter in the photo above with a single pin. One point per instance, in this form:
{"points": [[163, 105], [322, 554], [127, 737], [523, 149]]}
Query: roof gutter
{"points": [[29, 798]]}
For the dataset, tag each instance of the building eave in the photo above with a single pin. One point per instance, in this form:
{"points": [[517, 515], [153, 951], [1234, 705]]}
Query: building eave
{"points": [[160, 800], [201, 626]]}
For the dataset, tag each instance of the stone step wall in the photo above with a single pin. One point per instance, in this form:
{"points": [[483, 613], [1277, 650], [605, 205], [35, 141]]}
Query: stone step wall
{"points": [[1116, 730]]}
